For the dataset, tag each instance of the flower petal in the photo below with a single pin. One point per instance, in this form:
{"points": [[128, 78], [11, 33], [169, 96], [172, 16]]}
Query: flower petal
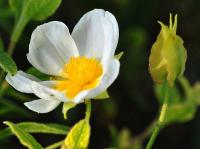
{"points": [[42, 105], [96, 34], [106, 81], [108, 78], [80, 97], [50, 47], [111, 32], [21, 81], [45, 90]]}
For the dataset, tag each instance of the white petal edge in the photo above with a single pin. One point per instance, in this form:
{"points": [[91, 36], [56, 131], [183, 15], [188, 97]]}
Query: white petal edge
{"points": [[50, 47], [45, 90], [42, 105], [21, 81], [96, 35], [108, 78], [111, 32]]}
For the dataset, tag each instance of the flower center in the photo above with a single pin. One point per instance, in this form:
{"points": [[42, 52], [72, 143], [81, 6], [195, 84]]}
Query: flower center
{"points": [[79, 74]]}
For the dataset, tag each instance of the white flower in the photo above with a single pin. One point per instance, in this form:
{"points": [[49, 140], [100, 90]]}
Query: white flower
{"points": [[82, 64]]}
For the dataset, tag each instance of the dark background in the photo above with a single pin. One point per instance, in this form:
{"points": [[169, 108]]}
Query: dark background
{"points": [[132, 104]]}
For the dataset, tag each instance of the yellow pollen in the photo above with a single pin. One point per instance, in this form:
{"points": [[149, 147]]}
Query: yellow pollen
{"points": [[79, 74]]}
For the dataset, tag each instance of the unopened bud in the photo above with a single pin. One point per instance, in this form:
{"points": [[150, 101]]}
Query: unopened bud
{"points": [[168, 55]]}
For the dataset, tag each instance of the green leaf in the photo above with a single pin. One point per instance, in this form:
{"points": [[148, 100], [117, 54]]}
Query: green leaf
{"points": [[118, 56], [16, 6], [34, 9], [32, 127], [7, 63], [40, 9], [37, 73], [193, 95], [67, 107], [179, 113], [78, 136], [5, 14], [31, 10], [103, 95], [24, 138]]}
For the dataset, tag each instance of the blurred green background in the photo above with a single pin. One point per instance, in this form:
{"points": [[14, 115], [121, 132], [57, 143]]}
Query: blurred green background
{"points": [[133, 104]]}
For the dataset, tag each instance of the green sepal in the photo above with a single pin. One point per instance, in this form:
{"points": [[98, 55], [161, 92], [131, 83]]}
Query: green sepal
{"points": [[66, 107], [103, 95], [118, 56]]}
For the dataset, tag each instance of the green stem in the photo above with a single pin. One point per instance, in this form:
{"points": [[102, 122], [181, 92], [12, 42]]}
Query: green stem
{"points": [[185, 84], [88, 110], [11, 47], [18, 96], [14, 107], [18, 29], [147, 131], [3, 88], [160, 119], [55, 145]]}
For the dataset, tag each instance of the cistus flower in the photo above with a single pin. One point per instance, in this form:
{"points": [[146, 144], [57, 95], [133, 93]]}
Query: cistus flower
{"points": [[82, 64], [168, 55]]}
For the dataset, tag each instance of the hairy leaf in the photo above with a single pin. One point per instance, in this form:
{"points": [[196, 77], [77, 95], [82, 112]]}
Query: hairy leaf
{"points": [[78, 136], [32, 127], [25, 138]]}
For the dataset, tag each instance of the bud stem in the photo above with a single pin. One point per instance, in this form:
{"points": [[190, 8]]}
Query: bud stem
{"points": [[160, 119]]}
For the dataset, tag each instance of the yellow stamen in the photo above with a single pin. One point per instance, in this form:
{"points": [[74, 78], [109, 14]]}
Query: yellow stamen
{"points": [[79, 74]]}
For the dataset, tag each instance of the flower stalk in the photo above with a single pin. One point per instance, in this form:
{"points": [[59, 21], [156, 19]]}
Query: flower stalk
{"points": [[161, 118], [88, 110]]}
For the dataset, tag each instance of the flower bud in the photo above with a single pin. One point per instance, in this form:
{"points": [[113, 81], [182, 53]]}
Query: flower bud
{"points": [[168, 55]]}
